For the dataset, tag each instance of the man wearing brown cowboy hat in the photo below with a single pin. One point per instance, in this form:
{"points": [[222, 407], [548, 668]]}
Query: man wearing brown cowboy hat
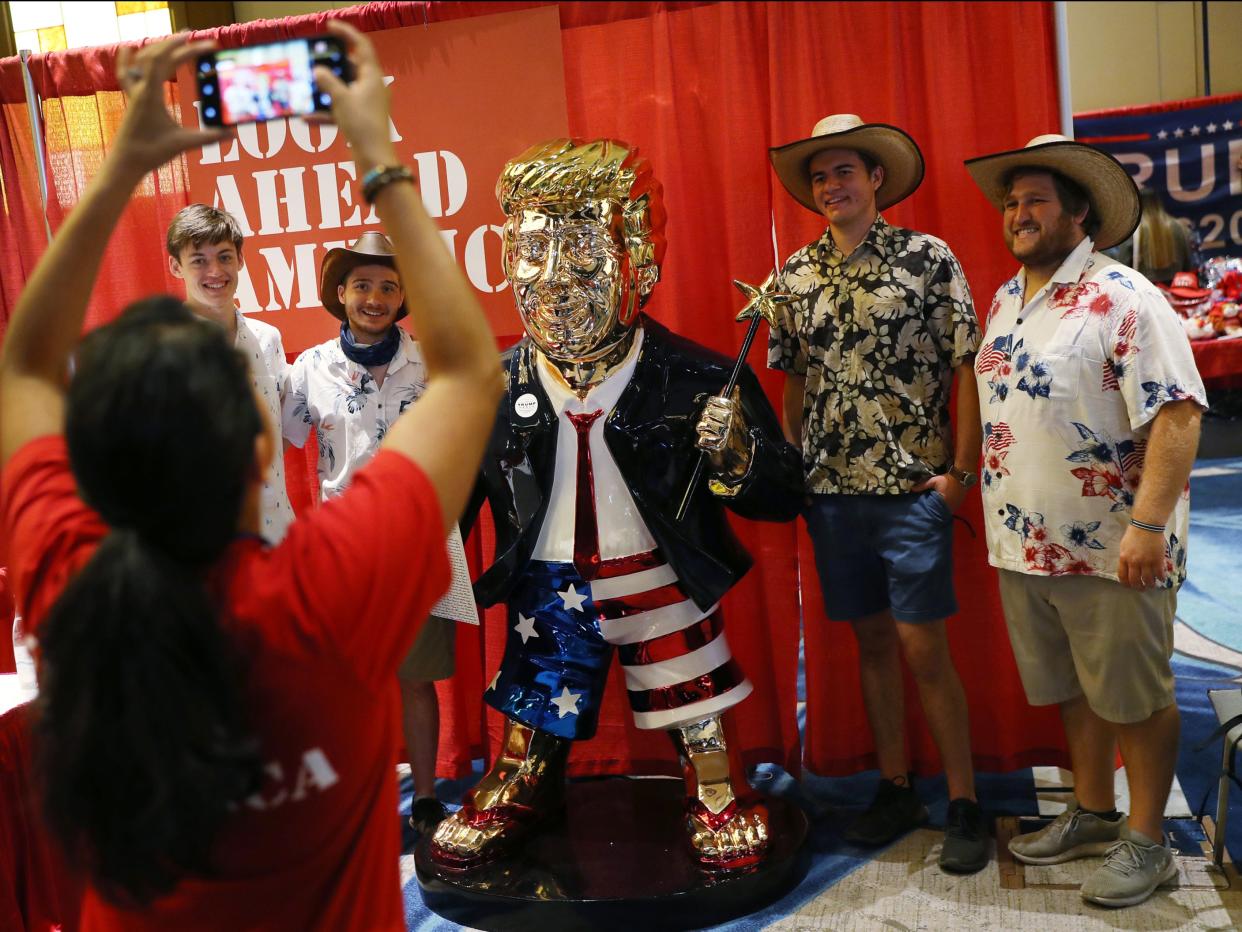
{"points": [[1091, 405], [350, 390], [882, 322]]}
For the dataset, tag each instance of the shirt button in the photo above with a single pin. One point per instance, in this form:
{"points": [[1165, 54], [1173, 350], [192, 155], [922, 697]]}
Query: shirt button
{"points": [[1019, 320], [1001, 512], [380, 405]]}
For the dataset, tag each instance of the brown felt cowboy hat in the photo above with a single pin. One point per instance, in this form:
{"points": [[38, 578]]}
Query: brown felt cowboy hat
{"points": [[1109, 187], [368, 249], [891, 147]]}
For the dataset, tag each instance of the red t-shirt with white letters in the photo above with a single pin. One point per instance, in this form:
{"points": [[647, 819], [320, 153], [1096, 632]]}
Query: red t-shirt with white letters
{"points": [[322, 621]]}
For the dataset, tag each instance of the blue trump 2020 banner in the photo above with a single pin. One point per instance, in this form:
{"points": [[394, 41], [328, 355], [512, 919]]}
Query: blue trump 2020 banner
{"points": [[1191, 151]]}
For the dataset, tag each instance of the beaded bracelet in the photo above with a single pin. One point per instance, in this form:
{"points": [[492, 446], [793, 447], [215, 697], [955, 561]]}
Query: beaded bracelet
{"points": [[1143, 526], [380, 177]]}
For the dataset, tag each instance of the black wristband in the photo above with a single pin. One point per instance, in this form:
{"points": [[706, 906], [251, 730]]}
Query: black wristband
{"points": [[1143, 526]]}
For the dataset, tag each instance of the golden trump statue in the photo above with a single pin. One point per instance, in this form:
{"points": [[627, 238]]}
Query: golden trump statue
{"points": [[593, 447]]}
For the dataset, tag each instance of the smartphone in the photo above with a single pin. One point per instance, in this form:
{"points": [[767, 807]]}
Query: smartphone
{"points": [[268, 82]]}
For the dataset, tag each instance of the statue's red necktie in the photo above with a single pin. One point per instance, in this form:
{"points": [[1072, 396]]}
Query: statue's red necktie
{"points": [[586, 530]]}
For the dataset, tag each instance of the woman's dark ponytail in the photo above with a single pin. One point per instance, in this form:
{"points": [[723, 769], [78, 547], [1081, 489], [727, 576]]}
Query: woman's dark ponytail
{"points": [[143, 740]]}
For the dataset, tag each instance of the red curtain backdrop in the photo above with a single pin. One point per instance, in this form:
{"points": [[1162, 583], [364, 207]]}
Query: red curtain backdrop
{"points": [[703, 89]]}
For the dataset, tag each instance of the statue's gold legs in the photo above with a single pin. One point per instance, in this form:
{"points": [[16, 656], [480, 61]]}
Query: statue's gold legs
{"points": [[524, 786], [726, 831]]}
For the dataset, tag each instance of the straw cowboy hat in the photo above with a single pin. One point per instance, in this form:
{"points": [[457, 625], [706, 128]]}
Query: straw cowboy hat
{"points": [[1109, 187], [368, 249], [891, 147]]}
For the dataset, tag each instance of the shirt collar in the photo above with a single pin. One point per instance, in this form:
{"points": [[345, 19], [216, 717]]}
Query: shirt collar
{"points": [[242, 336], [877, 239], [1075, 264], [1069, 272]]}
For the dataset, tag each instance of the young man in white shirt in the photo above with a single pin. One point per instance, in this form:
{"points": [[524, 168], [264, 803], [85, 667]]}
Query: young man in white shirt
{"points": [[205, 252]]}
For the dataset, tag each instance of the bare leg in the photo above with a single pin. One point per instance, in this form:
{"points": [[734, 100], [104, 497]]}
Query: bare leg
{"points": [[944, 701], [1093, 749], [1149, 749], [420, 722], [879, 668]]}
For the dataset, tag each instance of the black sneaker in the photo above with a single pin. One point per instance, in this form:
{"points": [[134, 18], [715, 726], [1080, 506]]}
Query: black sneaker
{"points": [[894, 811], [426, 813], [965, 838]]}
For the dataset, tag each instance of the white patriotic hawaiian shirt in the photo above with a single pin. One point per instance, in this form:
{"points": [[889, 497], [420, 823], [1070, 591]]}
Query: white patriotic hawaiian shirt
{"points": [[349, 412], [260, 343], [1068, 386]]}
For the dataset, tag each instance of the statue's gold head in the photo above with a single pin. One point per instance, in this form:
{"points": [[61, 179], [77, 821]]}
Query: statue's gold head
{"points": [[583, 242]]}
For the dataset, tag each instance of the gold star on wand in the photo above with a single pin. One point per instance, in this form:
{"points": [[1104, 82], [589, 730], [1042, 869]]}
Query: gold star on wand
{"points": [[762, 301]]}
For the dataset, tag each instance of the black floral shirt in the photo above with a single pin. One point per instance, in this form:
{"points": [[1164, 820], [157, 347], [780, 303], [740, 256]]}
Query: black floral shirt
{"points": [[877, 334]]}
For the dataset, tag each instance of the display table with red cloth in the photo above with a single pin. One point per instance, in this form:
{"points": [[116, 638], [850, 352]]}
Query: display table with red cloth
{"points": [[37, 892], [1219, 362]]}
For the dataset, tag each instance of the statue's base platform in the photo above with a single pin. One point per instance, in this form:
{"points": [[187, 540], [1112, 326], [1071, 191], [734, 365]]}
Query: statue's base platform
{"points": [[616, 859]]}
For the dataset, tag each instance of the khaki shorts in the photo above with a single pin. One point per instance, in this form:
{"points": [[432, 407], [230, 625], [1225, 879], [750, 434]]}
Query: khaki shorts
{"points": [[1087, 636], [431, 657]]}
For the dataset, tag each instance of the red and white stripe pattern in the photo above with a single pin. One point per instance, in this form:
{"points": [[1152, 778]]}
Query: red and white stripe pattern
{"points": [[1110, 382], [677, 663], [1132, 462], [991, 356], [999, 438]]}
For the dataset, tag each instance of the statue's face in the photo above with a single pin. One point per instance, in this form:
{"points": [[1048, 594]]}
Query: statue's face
{"points": [[572, 277]]}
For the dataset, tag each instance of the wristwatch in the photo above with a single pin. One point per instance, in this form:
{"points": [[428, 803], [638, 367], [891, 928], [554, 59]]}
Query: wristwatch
{"points": [[967, 479]]}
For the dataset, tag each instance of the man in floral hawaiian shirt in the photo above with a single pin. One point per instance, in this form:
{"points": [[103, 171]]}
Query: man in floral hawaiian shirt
{"points": [[882, 325], [1091, 405], [350, 389]]}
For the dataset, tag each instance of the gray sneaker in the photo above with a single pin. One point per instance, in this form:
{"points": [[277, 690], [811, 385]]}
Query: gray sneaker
{"points": [[1072, 834], [1133, 869]]}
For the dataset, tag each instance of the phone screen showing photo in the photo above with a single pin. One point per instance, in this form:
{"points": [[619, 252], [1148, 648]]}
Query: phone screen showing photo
{"points": [[266, 82]]}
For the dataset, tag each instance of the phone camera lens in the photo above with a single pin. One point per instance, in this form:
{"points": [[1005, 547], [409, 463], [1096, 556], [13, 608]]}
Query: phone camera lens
{"points": [[209, 89], [325, 99], [209, 111], [204, 66]]}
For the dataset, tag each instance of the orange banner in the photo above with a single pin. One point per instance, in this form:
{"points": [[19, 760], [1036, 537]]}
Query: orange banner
{"points": [[467, 96]]}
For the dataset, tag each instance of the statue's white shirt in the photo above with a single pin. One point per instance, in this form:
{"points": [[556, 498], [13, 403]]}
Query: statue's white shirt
{"points": [[622, 531]]}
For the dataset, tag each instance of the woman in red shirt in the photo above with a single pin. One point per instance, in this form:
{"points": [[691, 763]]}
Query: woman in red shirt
{"points": [[218, 719]]}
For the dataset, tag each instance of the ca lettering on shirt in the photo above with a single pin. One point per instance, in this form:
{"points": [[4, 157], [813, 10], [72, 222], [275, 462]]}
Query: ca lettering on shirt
{"points": [[314, 772]]}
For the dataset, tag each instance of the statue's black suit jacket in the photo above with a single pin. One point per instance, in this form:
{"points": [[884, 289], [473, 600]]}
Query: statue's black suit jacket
{"points": [[651, 435]]}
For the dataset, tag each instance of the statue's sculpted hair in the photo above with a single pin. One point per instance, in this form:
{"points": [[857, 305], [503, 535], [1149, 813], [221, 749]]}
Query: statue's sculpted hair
{"points": [[568, 171]]}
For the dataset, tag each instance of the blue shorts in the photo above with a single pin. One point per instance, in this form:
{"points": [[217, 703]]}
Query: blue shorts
{"points": [[884, 551]]}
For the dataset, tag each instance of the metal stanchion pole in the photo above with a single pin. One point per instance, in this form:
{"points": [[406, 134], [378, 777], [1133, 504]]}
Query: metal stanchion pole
{"points": [[36, 133], [1060, 13]]}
